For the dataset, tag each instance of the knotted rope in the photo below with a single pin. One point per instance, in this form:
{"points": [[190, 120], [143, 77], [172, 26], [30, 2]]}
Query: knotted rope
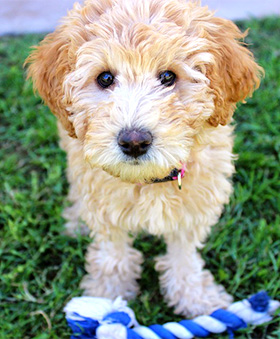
{"points": [[101, 318]]}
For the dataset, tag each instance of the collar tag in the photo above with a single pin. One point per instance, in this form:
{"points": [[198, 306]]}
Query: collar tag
{"points": [[179, 180]]}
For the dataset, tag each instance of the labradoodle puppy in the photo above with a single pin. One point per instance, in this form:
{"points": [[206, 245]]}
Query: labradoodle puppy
{"points": [[144, 91]]}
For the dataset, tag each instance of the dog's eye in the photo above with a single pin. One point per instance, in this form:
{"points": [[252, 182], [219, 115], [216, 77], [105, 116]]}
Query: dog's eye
{"points": [[105, 79], [167, 78]]}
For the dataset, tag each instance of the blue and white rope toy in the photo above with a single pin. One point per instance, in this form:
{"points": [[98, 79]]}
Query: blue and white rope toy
{"points": [[101, 318]]}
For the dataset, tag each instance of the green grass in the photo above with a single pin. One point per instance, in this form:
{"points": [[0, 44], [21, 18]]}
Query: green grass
{"points": [[40, 268]]}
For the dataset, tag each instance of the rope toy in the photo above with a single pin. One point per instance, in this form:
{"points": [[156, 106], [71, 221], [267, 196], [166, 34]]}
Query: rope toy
{"points": [[101, 318]]}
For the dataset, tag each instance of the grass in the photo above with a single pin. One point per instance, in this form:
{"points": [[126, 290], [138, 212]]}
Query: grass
{"points": [[40, 268]]}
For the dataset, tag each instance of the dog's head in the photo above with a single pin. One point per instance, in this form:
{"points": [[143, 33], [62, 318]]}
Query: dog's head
{"points": [[136, 81]]}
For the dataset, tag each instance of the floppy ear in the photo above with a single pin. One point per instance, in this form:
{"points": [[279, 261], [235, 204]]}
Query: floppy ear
{"points": [[234, 75], [49, 63]]}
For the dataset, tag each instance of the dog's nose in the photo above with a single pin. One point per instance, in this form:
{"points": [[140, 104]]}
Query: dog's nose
{"points": [[134, 142]]}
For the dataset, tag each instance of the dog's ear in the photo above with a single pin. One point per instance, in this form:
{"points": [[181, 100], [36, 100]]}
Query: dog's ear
{"points": [[234, 75], [49, 63]]}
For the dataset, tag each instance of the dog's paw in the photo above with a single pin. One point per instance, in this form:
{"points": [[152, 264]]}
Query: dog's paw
{"points": [[189, 289], [112, 272], [201, 298], [108, 287]]}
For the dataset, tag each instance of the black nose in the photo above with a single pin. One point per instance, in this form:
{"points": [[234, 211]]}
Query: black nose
{"points": [[134, 142]]}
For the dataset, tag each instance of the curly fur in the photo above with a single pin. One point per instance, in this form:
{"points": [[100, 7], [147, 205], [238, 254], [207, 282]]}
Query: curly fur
{"points": [[136, 40]]}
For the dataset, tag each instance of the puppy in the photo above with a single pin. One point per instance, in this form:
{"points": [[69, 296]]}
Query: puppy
{"points": [[144, 91]]}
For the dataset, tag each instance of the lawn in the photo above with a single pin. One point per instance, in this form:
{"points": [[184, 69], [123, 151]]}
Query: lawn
{"points": [[40, 268]]}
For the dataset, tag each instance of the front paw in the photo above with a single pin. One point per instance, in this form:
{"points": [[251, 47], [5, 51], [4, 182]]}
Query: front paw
{"points": [[112, 272], [201, 298], [191, 290]]}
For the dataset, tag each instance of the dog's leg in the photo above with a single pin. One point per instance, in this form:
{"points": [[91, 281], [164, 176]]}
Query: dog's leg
{"points": [[113, 266], [74, 225], [186, 286], [72, 214]]}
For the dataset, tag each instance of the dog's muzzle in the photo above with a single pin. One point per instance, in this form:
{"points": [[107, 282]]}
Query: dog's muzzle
{"points": [[136, 142]]}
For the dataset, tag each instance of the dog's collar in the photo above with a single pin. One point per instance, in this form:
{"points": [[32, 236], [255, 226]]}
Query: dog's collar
{"points": [[175, 174]]}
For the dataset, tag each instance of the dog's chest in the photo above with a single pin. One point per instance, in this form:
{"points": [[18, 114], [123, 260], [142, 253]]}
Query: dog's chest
{"points": [[155, 208]]}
